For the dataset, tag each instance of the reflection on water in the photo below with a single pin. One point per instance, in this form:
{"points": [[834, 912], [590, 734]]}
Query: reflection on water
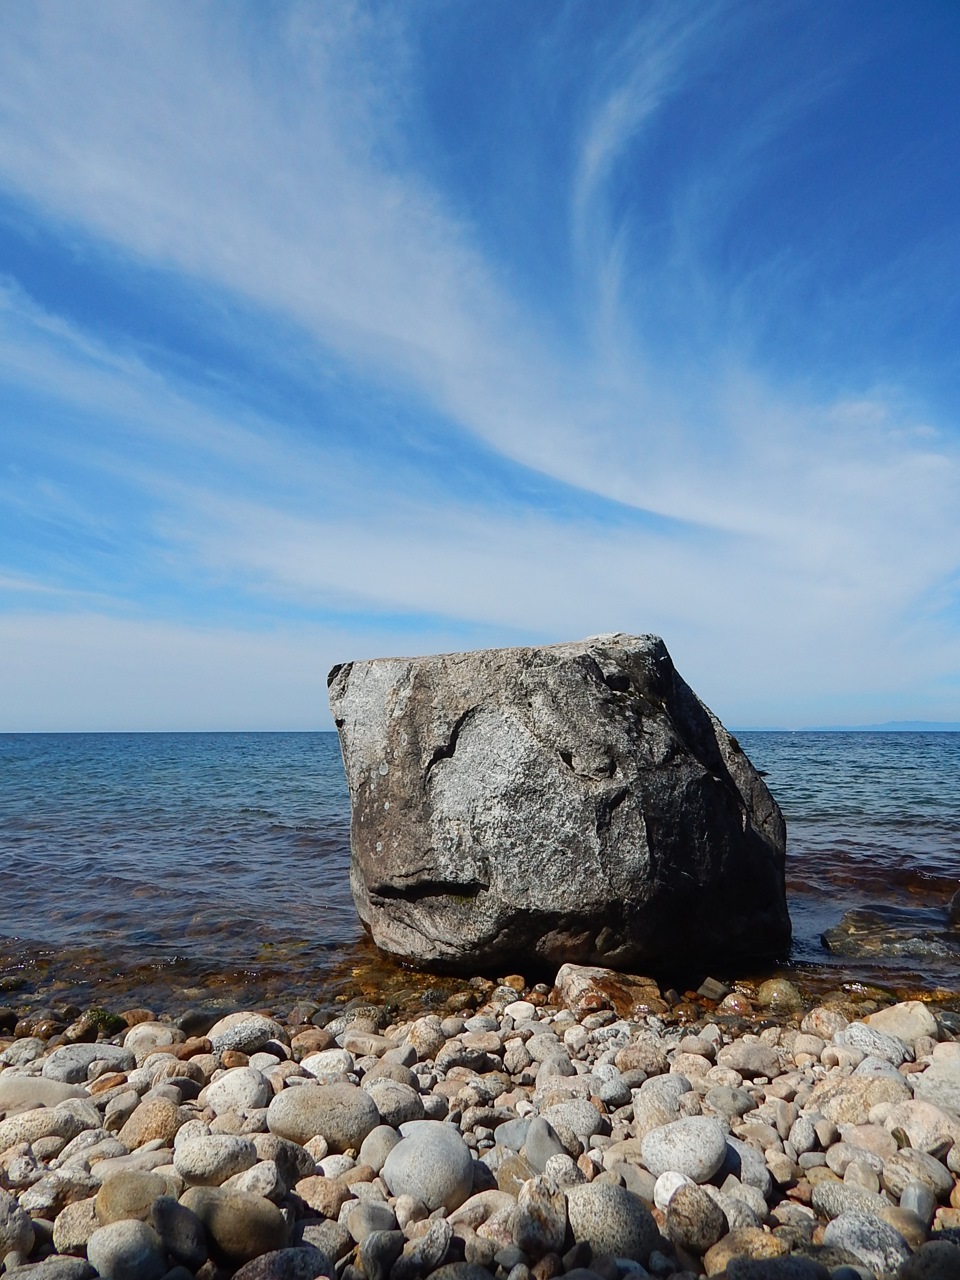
{"points": [[178, 869]]}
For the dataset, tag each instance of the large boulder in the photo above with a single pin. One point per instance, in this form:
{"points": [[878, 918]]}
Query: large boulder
{"points": [[573, 802]]}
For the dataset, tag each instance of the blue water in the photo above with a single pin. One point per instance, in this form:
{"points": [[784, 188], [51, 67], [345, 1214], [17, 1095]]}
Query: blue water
{"points": [[174, 867]]}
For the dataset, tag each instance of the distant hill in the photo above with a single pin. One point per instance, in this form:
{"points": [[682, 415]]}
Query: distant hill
{"points": [[891, 726]]}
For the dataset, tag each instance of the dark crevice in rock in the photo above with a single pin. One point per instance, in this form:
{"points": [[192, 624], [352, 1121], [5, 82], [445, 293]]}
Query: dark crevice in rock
{"points": [[335, 670], [446, 749], [607, 806], [430, 889]]}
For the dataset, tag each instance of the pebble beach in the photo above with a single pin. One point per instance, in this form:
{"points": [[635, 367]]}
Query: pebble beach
{"points": [[599, 1128]]}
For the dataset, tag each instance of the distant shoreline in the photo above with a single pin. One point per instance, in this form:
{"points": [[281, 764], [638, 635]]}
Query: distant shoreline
{"points": [[893, 726]]}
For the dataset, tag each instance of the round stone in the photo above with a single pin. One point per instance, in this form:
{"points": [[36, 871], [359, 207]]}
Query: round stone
{"points": [[871, 1240], [935, 1260], [750, 1058], [16, 1229], [302, 1263], [129, 1194], [374, 1215], [666, 1185], [909, 1166], [540, 1221], [611, 1220], [156, 1119], [873, 1043], [241, 1225], [72, 1062], [377, 1145], [211, 1159], [779, 994], [74, 1225], [379, 1251], [695, 1146], [181, 1231], [245, 1032], [329, 1062], [694, 1219], [396, 1102], [127, 1250], [242, 1089], [541, 1142], [433, 1163], [341, 1113]]}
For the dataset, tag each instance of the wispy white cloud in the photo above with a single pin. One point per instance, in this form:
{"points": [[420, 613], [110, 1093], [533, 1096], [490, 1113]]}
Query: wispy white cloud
{"points": [[274, 169]]}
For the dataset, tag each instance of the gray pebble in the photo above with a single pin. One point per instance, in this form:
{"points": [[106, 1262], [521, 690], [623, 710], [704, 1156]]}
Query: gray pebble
{"points": [[433, 1163], [874, 1242], [695, 1146]]}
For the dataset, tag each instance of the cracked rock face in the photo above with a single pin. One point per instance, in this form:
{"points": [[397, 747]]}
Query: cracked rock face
{"points": [[575, 802]]}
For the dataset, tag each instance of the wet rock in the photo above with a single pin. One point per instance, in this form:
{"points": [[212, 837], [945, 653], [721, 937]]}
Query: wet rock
{"points": [[780, 995], [530, 756]]}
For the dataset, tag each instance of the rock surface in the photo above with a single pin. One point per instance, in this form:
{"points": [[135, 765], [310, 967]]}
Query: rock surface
{"points": [[575, 802]]}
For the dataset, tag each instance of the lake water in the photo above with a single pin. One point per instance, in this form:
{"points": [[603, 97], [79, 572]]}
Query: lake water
{"points": [[173, 869]]}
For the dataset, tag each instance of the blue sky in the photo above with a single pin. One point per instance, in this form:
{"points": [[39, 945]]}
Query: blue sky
{"points": [[332, 330]]}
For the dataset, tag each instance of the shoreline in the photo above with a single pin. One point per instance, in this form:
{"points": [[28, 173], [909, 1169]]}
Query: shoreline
{"points": [[34, 975]]}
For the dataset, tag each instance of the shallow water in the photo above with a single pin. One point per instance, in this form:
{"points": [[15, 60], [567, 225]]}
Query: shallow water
{"points": [[177, 869]]}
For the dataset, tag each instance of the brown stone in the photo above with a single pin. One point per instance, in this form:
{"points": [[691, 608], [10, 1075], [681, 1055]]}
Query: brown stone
{"points": [[231, 1058], [191, 1047], [746, 1242], [134, 1016], [156, 1119], [325, 1196], [109, 1081], [312, 1040]]}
